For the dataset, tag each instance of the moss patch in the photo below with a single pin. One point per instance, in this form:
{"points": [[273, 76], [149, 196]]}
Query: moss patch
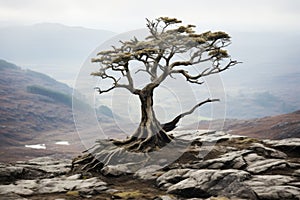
{"points": [[129, 195], [73, 193]]}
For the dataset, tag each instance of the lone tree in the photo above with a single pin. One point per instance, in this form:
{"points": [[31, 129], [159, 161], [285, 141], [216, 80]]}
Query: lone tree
{"points": [[157, 54]]}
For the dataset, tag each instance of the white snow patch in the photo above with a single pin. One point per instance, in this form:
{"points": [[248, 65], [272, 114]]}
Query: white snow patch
{"points": [[62, 143], [36, 146]]}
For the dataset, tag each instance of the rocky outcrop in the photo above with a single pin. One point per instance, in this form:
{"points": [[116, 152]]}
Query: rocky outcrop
{"points": [[250, 169], [43, 167], [215, 166], [205, 183], [45, 175]]}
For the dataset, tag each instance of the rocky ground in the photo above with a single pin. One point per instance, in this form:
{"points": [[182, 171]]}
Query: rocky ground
{"points": [[215, 166]]}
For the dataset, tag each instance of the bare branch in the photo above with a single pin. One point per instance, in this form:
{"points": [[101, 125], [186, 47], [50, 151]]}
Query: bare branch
{"points": [[100, 91], [208, 71], [198, 105], [103, 75], [145, 70], [172, 124], [126, 72]]}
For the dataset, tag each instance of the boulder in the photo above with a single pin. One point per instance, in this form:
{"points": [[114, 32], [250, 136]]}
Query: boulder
{"points": [[148, 173], [266, 151], [205, 183], [48, 165], [274, 186], [290, 146], [9, 173], [267, 165], [278, 192], [55, 185], [115, 170], [231, 160]]}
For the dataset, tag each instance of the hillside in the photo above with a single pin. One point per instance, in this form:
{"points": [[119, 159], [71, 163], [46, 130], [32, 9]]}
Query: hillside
{"points": [[275, 127], [35, 109], [272, 127], [24, 113]]}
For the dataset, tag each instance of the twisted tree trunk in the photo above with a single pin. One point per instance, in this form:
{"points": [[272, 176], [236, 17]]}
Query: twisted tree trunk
{"points": [[150, 134]]}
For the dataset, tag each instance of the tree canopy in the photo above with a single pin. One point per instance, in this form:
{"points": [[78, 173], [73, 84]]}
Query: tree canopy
{"points": [[157, 51]]}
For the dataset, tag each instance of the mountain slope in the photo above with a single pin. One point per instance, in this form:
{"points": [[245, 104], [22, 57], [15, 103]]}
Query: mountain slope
{"points": [[35, 109], [273, 127], [23, 113]]}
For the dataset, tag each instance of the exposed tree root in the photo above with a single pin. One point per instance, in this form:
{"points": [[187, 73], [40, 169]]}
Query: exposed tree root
{"points": [[105, 153], [146, 145]]}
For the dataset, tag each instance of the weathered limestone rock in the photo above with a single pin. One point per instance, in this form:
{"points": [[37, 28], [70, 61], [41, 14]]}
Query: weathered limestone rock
{"points": [[274, 186], [48, 165], [292, 142], [204, 136], [206, 183], [278, 192], [231, 160], [289, 145], [36, 168], [267, 165], [267, 152], [148, 173], [252, 158], [9, 172], [54, 185], [115, 170], [11, 196]]}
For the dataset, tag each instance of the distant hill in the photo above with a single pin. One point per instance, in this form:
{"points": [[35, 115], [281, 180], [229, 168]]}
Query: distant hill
{"points": [[23, 112], [32, 103], [246, 104], [273, 127], [50, 48]]}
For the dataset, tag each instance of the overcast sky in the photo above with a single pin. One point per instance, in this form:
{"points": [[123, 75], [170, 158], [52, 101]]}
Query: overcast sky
{"points": [[121, 15]]}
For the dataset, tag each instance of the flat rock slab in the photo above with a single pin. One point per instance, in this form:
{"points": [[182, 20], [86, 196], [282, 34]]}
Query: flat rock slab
{"points": [[206, 183], [61, 184]]}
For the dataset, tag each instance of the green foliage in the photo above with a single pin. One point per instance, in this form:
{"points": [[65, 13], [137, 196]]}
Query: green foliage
{"points": [[55, 95]]}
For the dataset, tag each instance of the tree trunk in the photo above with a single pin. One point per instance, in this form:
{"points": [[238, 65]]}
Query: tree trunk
{"points": [[150, 135]]}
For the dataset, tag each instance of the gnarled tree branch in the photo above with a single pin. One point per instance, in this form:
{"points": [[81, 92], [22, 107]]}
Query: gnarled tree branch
{"points": [[206, 72], [172, 124]]}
